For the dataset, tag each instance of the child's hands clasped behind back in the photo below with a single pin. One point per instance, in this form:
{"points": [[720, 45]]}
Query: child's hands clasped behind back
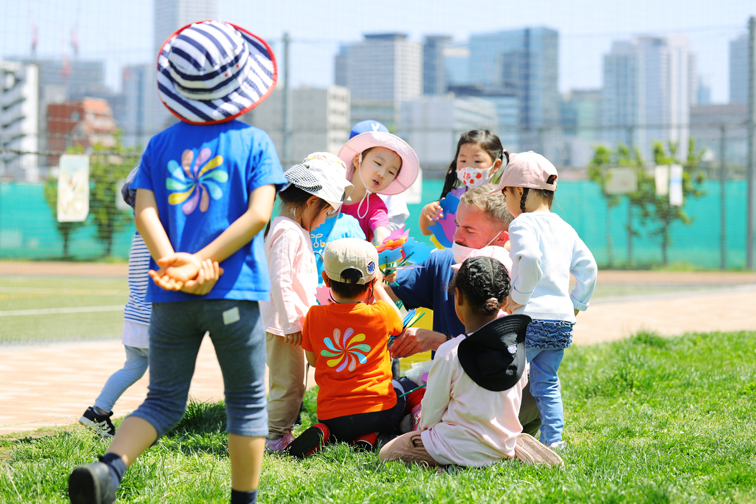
{"points": [[186, 272]]}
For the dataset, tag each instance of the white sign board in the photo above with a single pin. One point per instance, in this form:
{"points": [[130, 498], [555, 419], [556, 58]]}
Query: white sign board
{"points": [[661, 179], [621, 181], [73, 188], [675, 185]]}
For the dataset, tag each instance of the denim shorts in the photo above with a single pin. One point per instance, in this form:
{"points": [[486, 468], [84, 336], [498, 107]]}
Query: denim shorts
{"points": [[237, 333], [549, 334]]}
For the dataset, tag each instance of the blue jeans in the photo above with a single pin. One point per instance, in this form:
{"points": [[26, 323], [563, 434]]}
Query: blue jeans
{"points": [[137, 360], [544, 385], [237, 333]]}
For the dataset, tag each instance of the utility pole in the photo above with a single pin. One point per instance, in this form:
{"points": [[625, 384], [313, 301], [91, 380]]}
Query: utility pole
{"points": [[631, 148], [723, 197], [286, 144], [751, 139]]}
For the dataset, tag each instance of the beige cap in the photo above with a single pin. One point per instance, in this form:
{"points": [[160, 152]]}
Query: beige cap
{"points": [[350, 253], [528, 169]]}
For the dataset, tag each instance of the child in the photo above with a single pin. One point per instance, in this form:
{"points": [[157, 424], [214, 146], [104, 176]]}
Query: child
{"points": [[477, 162], [347, 344], [470, 409], [377, 163], [337, 225], [545, 250], [136, 321], [315, 187], [205, 190]]}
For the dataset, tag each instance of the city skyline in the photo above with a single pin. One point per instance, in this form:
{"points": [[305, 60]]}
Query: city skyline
{"points": [[585, 33]]}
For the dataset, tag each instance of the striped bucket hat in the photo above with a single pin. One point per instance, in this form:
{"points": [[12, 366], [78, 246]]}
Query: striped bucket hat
{"points": [[212, 71]]}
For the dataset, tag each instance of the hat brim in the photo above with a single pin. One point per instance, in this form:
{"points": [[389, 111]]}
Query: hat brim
{"points": [[410, 164], [250, 94]]}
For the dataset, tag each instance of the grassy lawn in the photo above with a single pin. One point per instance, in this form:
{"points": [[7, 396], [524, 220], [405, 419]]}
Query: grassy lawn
{"points": [[648, 420]]}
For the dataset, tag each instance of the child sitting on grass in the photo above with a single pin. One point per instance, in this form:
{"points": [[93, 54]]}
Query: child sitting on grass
{"points": [[470, 409], [347, 344]]}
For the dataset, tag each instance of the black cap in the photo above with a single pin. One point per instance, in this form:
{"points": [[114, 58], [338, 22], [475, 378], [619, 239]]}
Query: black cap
{"points": [[494, 355]]}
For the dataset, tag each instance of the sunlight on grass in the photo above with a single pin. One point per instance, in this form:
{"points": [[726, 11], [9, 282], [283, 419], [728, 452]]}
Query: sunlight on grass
{"points": [[648, 419]]}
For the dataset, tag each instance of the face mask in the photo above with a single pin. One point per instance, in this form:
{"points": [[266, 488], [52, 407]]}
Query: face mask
{"points": [[461, 252], [473, 177]]}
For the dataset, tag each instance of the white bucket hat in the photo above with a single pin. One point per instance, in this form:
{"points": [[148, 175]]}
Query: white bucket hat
{"points": [[212, 71], [322, 178]]}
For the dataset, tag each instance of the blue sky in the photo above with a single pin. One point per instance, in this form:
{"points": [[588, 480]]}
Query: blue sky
{"points": [[121, 32]]}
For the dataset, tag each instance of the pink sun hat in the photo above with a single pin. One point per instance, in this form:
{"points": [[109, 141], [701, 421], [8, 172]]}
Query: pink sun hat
{"points": [[528, 169], [499, 253], [364, 141]]}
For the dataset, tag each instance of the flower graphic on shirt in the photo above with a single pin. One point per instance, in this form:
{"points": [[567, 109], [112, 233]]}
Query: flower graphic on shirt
{"points": [[345, 350], [194, 184]]}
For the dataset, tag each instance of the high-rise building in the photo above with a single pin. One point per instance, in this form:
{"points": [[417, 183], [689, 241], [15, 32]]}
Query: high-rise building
{"points": [[649, 86], [169, 16], [703, 93], [706, 122], [432, 125], [138, 90], [19, 121], [384, 67], [434, 78], [527, 61], [507, 110], [457, 64], [739, 69], [580, 113], [319, 119]]}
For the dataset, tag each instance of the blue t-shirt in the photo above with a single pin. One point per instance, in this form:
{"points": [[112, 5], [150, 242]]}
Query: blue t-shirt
{"points": [[202, 177], [428, 287], [335, 228]]}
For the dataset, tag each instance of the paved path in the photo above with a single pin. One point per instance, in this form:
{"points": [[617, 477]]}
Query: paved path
{"points": [[52, 384]]}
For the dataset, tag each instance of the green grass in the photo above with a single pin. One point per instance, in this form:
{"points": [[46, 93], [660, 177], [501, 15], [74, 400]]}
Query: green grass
{"points": [[648, 420], [20, 293]]}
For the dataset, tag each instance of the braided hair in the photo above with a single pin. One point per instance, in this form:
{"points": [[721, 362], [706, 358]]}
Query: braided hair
{"points": [[484, 282], [544, 193]]}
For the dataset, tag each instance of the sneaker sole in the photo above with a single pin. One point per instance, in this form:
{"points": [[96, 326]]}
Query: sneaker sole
{"points": [[306, 443], [86, 486], [529, 450], [94, 426]]}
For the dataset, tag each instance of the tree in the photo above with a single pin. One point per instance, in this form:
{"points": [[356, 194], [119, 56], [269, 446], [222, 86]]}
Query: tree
{"points": [[104, 173], [655, 210], [64, 228], [604, 158]]}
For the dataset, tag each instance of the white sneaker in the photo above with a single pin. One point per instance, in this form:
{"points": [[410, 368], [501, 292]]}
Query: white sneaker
{"points": [[279, 445], [559, 445]]}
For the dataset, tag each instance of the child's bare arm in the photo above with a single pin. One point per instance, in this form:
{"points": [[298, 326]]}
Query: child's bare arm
{"points": [[149, 226], [379, 234], [311, 358], [245, 227]]}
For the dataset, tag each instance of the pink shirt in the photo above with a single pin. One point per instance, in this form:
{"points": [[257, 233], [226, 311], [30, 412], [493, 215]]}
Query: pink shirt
{"points": [[462, 423], [293, 277], [375, 215]]}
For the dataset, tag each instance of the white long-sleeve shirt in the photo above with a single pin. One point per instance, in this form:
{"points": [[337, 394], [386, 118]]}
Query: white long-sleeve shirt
{"points": [[544, 251], [293, 277], [461, 422]]}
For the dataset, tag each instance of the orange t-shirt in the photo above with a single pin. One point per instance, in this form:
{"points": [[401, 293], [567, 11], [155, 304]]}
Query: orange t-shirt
{"points": [[353, 366]]}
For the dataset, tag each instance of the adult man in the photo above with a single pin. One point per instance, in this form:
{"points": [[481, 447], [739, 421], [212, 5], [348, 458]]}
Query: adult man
{"points": [[482, 220]]}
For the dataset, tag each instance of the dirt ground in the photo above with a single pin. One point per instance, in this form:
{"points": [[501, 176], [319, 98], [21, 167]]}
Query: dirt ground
{"points": [[52, 384]]}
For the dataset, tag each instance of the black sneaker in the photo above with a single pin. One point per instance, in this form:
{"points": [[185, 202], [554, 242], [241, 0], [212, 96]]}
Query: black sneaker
{"points": [[100, 424], [91, 484], [309, 442]]}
